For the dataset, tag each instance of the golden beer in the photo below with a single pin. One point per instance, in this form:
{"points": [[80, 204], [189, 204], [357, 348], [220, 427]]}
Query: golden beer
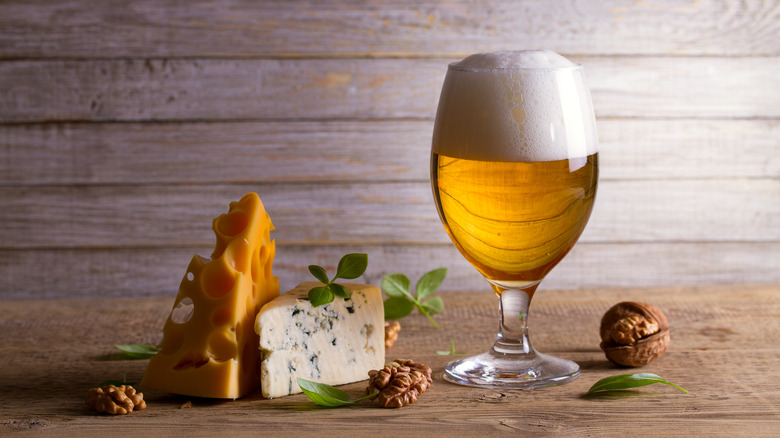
{"points": [[514, 221], [514, 170]]}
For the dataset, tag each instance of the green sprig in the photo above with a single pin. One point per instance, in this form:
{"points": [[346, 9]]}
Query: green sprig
{"points": [[626, 381], [402, 301], [138, 351], [450, 352], [350, 266], [326, 395]]}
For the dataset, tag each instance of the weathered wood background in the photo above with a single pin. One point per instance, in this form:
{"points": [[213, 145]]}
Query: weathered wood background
{"points": [[125, 127]]}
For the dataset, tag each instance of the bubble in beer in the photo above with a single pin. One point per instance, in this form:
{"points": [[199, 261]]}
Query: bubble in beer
{"points": [[515, 106]]}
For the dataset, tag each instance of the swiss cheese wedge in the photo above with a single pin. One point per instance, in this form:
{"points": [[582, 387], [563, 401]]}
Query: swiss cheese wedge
{"points": [[209, 347]]}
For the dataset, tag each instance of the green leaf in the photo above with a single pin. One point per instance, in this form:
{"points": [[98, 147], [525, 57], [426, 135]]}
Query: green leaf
{"points": [[626, 381], [434, 305], [138, 351], [351, 266], [320, 295], [340, 290], [319, 273], [429, 282], [396, 285], [324, 395], [397, 307]]}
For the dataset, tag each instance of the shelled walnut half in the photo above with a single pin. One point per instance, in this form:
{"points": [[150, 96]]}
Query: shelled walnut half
{"points": [[391, 333], [634, 334], [399, 383], [115, 400]]}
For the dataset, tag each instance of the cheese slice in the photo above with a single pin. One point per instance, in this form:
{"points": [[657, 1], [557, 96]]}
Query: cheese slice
{"points": [[209, 347], [335, 343]]}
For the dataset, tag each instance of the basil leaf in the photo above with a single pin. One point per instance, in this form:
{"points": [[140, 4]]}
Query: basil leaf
{"points": [[625, 381], [319, 273], [429, 282], [340, 290], [320, 295], [434, 305], [397, 307], [324, 395], [138, 351], [396, 285], [351, 266]]}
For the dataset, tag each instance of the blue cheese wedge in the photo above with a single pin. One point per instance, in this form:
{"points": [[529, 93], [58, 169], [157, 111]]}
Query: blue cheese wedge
{"points": [[336, 343]]}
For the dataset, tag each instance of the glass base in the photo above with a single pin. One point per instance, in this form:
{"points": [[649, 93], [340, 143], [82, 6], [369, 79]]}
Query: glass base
{"points": [[511, 371]]}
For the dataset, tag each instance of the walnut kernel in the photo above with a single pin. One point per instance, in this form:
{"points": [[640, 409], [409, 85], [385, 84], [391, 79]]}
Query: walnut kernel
{"points": [[634, 334], [391, 333], [399, 383], [115, 400]]}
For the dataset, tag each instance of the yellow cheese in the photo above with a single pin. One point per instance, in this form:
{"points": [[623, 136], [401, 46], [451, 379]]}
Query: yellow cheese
{"points": [[209, 347]]}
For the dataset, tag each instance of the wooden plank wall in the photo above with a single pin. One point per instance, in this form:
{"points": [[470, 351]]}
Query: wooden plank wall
{"points": [[125, 127]]}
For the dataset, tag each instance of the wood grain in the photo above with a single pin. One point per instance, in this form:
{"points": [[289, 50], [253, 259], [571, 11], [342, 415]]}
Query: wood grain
{"points": [[236, 28], [372, 150], [59, 273], [368, 214], [261, 89], [52, 354]]}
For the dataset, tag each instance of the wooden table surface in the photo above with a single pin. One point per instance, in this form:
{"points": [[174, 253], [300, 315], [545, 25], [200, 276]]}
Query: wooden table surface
{"points": [[725, 349]]}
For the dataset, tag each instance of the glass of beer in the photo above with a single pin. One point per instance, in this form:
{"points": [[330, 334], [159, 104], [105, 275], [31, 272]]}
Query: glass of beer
{"points": [[514, 168]]}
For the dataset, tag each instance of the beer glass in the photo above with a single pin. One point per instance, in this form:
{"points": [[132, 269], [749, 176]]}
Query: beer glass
{"points": [[514, 168]]}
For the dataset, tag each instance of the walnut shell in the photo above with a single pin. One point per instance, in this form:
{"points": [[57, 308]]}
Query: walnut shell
{"points": [[634, 334]]}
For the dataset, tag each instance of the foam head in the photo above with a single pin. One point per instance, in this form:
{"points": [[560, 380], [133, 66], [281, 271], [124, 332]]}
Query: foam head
{"points": [[515, 106]]}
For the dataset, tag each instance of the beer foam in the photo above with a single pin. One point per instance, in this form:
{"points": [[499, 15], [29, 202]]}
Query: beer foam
{"points": [[515, 106], [536, 59]]}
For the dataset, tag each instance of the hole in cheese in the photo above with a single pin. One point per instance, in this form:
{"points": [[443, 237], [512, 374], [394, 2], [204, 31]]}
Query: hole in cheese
{"points": [[232, 224], [240, 253], [191, 360], [221, 316], [222, 346], [258, 260], [217, 281], [269, 254], [183, 311]]}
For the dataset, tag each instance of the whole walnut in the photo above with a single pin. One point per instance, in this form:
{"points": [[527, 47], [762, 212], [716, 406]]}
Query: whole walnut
{"points": [[634, 334]]}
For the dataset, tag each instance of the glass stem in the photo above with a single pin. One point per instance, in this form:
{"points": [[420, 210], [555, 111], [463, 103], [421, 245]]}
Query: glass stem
{"points": [[512, 335]]}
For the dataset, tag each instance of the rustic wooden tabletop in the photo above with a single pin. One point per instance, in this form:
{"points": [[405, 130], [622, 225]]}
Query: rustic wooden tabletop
{"points": [[724, 351]]}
